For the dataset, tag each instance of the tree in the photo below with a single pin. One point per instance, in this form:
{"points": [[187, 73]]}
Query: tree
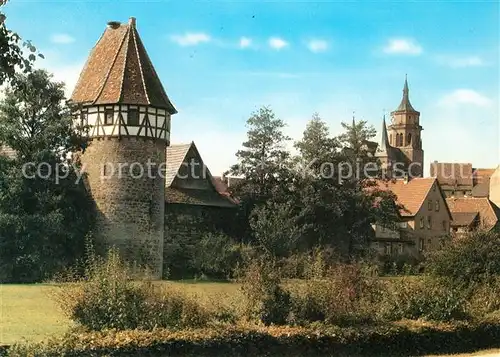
{"points": [[264, 159], [276, 230], [474, 258], [357, 151], [34, 120], [316, 148], [45, 212], [337, 208], [11, 52], [263, 163]]}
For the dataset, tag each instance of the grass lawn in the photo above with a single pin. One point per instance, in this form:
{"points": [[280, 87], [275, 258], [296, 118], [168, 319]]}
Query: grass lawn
{"points": [[28, 312]]}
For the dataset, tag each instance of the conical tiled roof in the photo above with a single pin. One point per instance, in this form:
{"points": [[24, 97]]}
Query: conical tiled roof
{"points": [[405, 105], [119, 70], [384, 142]]}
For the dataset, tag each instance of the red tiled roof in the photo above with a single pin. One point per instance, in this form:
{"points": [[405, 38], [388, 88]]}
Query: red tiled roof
{"points": [[176, 155], [482, 176], [119, 70], [410, 195], [482, 205], [463, 219], [449, 173]]}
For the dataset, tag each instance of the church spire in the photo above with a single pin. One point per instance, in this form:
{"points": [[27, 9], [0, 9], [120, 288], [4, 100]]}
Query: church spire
{"points": [[384, 143], [405, 105]]}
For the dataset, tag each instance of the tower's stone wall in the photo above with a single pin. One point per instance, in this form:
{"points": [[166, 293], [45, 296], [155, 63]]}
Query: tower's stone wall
{"points": [[130, 205]]}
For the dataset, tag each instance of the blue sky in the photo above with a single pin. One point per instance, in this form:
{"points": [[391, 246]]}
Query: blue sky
{"points": [[219, 61]]}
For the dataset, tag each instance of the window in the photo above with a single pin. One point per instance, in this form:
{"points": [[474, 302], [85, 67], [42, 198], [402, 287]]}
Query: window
{"points": [[422, 223], [108, 116], [437, 206], [408, 141], [403, 224], [388, 248], [429, 222], [429, 205], [421, 244], [383, 229], [445, 226], [133, 117], [400, 248]]}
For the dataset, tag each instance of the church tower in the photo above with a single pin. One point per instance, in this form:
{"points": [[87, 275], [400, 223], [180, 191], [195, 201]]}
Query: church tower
{"points": [[405, 134], [384, 151], [121, 99]]}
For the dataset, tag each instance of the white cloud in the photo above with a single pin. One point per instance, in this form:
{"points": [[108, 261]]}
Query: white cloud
{"points": [[461, 62], [317, 45], [62, 38], [277, 43], [245, 42], [191, 38], [465, 96], [403, 46]]}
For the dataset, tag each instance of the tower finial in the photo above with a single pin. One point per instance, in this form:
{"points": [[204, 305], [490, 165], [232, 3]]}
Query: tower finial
{"points": [[405, 105]]}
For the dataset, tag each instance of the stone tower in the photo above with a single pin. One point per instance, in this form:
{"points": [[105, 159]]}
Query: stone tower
{"points": [[405, 134], [121, 99]]}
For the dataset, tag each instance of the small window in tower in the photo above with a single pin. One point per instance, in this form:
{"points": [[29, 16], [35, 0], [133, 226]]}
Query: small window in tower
{"points": [[429, 205], [108, 116], [133, 117], [409, 139], [437, 205], [390, 140]]}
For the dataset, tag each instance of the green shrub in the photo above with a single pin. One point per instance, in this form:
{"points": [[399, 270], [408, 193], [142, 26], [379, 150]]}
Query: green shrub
{"points": [[217, 255], [349, 294], [403, 264], [173, 309], [474, 258], [423, 298], [265, 299], [320, 340], [109, 298], [484, 299]]}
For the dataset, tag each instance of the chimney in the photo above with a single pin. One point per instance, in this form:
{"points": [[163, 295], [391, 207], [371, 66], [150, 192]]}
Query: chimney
{"points": [[131, 21], [113, 24]]}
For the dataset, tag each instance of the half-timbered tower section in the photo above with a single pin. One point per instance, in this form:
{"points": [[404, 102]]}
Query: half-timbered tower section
{"points": [[122, 101]]}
